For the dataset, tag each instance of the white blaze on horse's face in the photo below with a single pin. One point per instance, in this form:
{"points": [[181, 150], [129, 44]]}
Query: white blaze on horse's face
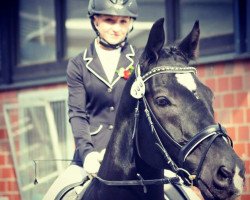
{"points": [[238, 180], [187, 81]]}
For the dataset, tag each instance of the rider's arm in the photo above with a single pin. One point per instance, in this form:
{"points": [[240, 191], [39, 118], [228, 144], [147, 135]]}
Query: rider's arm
{"points": [[78, 115]]}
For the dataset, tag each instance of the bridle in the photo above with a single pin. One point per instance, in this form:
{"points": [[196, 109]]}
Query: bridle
{"points": [[211, 132]]}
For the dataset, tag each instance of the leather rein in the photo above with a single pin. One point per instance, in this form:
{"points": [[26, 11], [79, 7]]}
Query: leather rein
{"points": [[211, 132]]}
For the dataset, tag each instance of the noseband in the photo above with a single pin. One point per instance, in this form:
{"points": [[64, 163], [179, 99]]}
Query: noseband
{"points": [[209, 133]]}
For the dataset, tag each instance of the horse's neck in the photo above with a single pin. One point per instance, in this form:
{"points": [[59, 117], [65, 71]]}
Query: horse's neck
{"points": [[119, 158], [146, 171], [122, 162], [128, 169]]}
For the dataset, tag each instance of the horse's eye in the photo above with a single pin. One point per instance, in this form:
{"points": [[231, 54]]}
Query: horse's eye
{"points": [[162, 101]]}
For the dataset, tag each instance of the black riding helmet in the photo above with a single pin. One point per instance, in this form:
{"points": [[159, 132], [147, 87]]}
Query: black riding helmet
{"points": [[112, 7]]}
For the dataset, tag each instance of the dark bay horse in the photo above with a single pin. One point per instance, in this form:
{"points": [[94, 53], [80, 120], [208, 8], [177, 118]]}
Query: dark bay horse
{"points": [[166, 121]]}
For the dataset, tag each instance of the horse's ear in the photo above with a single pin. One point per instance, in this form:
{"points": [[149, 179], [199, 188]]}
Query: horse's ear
{"points": [[155, 42], [190, 43]]}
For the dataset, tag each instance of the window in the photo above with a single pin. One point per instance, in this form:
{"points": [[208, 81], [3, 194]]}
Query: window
{"points": [[37, 50], [79, 33], [148, 12], [38, 130], [216, 23], [37, 42], [221, 22]]}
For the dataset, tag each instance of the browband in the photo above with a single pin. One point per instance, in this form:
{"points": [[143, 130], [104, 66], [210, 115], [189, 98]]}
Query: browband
{"points": [[168, 69]]}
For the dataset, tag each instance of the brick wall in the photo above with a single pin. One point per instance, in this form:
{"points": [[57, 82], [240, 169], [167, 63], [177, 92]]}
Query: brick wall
{"points": [[8, 184], [230, 82]]}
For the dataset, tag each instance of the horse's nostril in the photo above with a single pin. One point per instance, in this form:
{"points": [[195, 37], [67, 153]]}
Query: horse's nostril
{"points": [[223, 177], [225, 172]]}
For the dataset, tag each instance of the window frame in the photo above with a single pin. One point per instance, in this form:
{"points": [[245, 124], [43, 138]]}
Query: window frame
{"points": [[46, 70], [12, 76], [248, 27], [7, 24], [242, 26], [224, 42]]}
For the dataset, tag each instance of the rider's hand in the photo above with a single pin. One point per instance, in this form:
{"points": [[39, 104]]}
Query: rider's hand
{"points": [[93, 161]]}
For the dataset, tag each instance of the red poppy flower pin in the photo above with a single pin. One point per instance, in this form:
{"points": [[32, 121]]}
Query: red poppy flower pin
{"points": [[125, 73]]}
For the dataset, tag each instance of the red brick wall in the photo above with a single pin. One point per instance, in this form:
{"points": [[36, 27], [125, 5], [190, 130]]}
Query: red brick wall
{"points": [[8, 184], [230, 82]]}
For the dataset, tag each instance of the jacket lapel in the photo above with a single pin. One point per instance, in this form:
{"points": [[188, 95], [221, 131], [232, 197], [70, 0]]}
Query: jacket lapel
{"points": [[126, 60], [94, 65]]}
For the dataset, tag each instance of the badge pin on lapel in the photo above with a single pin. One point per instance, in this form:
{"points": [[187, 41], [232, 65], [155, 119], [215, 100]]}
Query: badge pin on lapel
{"points": [[138, 87]]}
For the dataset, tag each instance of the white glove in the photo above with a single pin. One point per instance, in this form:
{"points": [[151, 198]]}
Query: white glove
{"points": [[101, 155], [93, 161]]}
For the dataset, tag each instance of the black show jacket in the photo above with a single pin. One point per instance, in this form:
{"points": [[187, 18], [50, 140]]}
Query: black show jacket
{"points": [[93, 101]]}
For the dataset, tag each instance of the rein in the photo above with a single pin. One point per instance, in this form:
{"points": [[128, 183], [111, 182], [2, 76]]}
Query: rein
{"points": [[141, 182]]}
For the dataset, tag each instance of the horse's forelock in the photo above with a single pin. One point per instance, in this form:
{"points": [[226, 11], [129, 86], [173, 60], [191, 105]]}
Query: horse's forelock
{"points": [[175, 53]]}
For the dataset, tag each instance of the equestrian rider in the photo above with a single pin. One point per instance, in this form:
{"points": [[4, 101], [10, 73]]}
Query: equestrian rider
{"points": [[95, 87]]}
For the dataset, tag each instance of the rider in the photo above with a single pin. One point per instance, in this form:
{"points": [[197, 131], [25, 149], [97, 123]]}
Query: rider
{"points": [[95, 87]]}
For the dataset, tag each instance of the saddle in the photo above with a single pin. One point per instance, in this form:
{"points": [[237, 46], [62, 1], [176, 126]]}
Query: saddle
{"points": [[74, 191]]}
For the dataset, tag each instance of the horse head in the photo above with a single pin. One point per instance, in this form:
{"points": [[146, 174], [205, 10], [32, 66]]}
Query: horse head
{"points": [[178, 116]]}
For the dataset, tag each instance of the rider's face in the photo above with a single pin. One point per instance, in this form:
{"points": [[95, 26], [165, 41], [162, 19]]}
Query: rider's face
{"points": [[113, 28]]}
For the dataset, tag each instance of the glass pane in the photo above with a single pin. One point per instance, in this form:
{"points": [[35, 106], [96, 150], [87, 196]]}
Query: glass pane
{"points": [[216, 17], [79, 32], [38, 132], [37, 32], [78, 28], [149, 12]]}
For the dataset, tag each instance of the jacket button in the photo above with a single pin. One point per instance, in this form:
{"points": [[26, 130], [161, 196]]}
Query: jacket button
{"points": [[110, 127], [109, 90], [111, 109]]}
